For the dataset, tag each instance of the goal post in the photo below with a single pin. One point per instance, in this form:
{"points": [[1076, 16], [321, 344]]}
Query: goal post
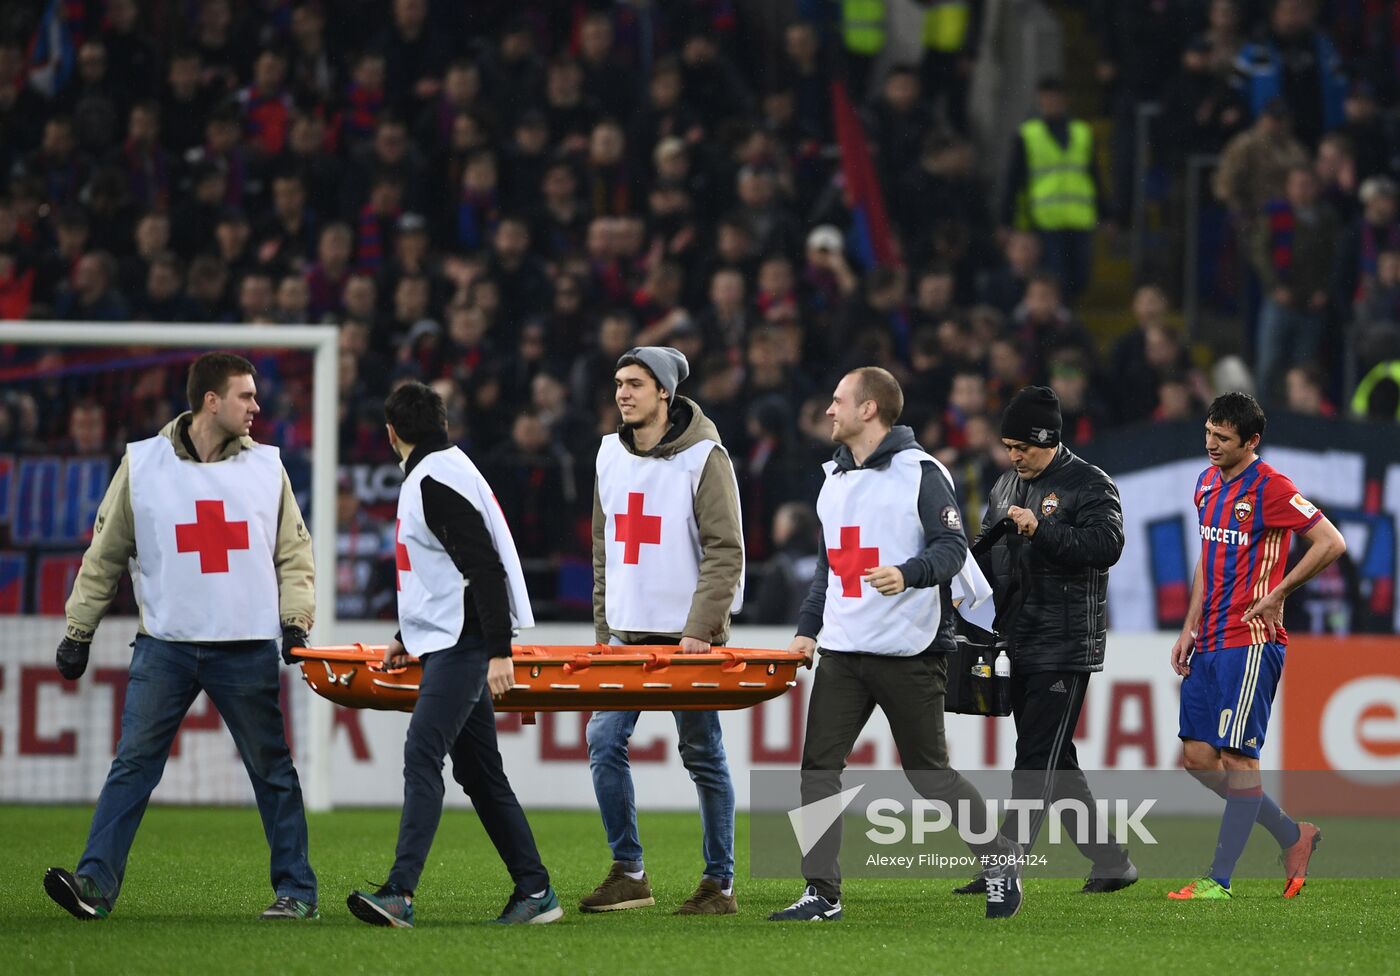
{"points": [[321, 341]]}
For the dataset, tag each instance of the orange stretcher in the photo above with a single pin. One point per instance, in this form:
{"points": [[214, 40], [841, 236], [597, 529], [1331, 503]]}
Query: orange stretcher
{"points": [[567, 678]]}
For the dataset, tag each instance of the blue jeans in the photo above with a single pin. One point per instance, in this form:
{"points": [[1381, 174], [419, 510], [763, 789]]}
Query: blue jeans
{"points": [[454, 717], [242, 679], [702, 752], [1288, 337]]}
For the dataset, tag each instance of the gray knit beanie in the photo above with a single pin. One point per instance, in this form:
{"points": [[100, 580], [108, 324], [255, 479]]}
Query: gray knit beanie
{"points": [[668, 365]]}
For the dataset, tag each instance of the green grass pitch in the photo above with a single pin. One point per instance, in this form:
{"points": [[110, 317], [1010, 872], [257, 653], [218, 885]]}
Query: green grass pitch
{"points": [[198, 878]]}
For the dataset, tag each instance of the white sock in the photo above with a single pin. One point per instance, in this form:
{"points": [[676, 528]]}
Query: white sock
{"points": [[727, 892], [540, 894], [635, 875]]}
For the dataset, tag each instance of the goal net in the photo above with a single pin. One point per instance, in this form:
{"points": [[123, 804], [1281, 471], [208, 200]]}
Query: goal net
{"points": [[71, 396]]}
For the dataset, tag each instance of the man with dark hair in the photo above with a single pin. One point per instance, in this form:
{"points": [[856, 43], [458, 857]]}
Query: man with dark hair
{"points": [[668, 568], [892, 542], [1231, 649], [1294, 251], [223, 569], [461, 594], [1068, 531]]}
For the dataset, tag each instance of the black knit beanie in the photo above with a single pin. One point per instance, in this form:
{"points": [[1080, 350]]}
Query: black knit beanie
{"points": [[1033, 416]]}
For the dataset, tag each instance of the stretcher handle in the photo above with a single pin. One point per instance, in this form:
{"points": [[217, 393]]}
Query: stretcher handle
{"points": [[652, 656]]}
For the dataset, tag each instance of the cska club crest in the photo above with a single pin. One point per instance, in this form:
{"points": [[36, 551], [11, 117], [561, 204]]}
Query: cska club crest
{"points": [[1049, 504], [1243, 510]]}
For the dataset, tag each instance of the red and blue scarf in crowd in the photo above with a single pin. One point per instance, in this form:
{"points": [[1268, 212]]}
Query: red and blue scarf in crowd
{"points": [[148, 169], [362, 108], [372, 246], [1282, 222]]}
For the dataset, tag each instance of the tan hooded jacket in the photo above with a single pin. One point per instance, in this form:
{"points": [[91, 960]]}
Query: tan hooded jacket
{"points": [[716, 514], [114, 544]]}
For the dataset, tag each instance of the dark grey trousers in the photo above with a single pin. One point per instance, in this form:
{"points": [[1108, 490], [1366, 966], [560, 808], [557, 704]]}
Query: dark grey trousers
{"points": [[909, 690]]}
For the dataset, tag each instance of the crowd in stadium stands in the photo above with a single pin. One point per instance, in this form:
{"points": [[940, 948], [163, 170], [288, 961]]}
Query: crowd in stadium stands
{"points": [[501, 198]]}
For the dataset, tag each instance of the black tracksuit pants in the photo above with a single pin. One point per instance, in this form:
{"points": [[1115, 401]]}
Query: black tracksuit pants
{"points": [[1046, 706]]}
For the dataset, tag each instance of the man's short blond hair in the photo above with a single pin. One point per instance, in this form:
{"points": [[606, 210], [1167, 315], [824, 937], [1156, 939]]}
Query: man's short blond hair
{"points": [[875, 383]]}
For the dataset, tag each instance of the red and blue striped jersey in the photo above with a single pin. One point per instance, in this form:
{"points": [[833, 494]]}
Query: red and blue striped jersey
{"points": [[1245, 524]]}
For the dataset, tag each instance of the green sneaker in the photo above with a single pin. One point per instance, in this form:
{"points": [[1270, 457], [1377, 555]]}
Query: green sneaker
{"points": [[524, 910], [289, 907], [76, 894], [390, 905], [1201, 888]]}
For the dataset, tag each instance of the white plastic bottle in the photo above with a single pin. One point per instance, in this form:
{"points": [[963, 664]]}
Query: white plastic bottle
{"points": [[1002, 683]]}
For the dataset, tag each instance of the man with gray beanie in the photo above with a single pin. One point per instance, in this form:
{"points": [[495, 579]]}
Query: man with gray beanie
{"points": [[1058, 524], [668, 568]]}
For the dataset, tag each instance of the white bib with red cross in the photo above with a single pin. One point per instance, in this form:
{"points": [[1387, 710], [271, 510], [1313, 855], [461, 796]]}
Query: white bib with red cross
{"points": [[651, 536], [205, 538], [431, 609], [870, 517]]}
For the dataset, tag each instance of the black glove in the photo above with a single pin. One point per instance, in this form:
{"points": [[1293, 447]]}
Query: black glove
{"points": [[72, 657], [292, 636]]}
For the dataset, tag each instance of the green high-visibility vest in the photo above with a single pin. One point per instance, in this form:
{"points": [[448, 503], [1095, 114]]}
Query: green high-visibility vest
{"points": [[1060, 189], [945, 25], [863, 26], [1361, 399]]}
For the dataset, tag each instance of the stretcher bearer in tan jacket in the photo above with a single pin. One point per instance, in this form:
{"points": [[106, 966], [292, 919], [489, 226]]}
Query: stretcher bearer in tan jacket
{"points": [[668, 568], [205, 520]]}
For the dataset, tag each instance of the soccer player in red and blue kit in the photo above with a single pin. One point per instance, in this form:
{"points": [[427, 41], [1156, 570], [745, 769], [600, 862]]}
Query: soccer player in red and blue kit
{"points": [[1231, 648]]}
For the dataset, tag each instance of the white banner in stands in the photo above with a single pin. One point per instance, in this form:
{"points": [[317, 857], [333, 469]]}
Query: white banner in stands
{"points": [[57, 739]]}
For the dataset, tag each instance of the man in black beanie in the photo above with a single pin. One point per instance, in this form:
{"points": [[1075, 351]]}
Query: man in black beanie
{"points": [[1060, 528]]}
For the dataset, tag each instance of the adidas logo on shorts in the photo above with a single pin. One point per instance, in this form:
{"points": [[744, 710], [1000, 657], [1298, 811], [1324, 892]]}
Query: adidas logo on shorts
{"points": [[1252, 742]]}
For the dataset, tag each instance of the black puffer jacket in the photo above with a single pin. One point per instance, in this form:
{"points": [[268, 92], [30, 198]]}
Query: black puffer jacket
{"points": [[1062, 570]]}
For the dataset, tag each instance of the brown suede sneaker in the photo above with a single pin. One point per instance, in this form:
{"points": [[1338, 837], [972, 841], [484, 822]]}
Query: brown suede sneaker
{"points": [[618, 892], [709, 899]]}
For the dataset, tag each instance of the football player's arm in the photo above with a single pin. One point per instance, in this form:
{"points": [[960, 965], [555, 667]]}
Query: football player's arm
{"points": [[1186, 641], [1325, 546], [1285, 508]]}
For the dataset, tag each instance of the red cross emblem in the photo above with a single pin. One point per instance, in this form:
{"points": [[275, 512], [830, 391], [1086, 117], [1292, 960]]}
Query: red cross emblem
{"points": [[211, 536], [634, 528], [851, 562], [401, 563]]}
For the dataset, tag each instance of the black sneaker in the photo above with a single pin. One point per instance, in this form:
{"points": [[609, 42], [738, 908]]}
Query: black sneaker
{"points": [[811, 907], [77, 894], [1004, 894], [287, 907], [1101, 882], [977, 886]]}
